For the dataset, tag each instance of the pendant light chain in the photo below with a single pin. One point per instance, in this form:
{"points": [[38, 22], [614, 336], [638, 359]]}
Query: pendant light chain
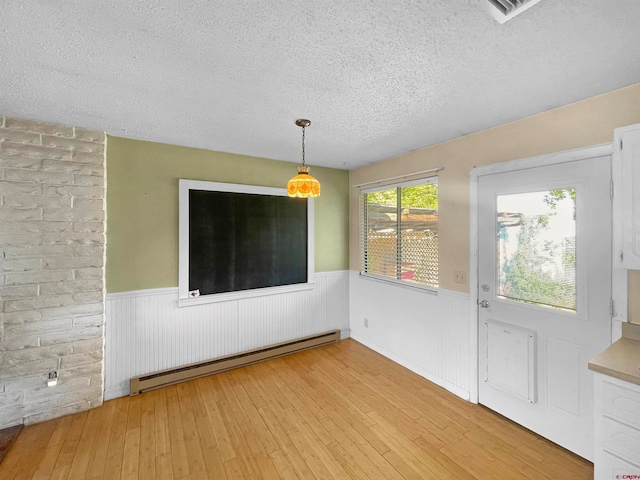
{"points": [[303, 146]]}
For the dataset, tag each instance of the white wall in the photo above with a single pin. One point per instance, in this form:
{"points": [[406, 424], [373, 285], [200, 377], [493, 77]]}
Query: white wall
{"points": [[429, 334], [425, 332], [146, 331]]}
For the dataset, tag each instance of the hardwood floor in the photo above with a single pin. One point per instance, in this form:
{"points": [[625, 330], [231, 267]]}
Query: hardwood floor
{"points": [[340, 411]]}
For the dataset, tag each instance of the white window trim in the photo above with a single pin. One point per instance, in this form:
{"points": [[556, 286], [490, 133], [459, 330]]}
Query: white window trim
{"points": [[379, 278], [183, 262]]}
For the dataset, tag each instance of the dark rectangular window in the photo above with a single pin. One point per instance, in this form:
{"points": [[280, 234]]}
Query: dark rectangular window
{"points": [[242, 241]]}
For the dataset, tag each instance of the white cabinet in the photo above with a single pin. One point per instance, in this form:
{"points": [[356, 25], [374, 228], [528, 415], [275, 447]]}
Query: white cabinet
{"points": [[617, 428], [626, 173]]}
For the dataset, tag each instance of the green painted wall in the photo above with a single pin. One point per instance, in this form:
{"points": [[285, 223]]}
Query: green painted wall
{"points": [[142, 207]]}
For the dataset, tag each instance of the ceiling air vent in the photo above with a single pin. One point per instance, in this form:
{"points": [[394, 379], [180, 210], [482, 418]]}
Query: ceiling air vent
{"points": [[503, 10]]}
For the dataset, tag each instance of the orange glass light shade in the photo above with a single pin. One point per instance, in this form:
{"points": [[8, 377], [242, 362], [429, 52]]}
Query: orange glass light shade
{"points": [[303, 185]]}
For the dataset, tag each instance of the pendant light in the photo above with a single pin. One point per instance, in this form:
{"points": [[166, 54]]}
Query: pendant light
{"points": [[303, 185]]}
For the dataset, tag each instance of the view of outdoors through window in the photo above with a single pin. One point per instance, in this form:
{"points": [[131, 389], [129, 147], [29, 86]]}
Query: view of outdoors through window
{"points": [[400, 233], [536, 248]]}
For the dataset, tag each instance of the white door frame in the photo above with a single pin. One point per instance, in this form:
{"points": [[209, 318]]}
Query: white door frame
{"points": [[619, 275]]}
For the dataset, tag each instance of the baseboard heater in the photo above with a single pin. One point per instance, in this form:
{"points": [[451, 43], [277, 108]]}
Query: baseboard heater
{"points": [[171, 376]]}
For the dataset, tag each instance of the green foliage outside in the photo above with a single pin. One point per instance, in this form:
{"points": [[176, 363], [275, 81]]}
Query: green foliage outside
{"points": [[415, 196], [554, 196]]}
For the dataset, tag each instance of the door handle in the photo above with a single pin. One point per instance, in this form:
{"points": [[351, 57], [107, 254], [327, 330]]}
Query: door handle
{"points": [[484, 304]]}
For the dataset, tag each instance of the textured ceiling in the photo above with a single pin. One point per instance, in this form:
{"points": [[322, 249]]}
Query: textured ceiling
{"points": [[377, 78]]}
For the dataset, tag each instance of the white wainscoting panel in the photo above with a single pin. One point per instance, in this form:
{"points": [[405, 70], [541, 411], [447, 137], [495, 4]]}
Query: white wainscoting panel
{"points": [[425, 332], [146, 331]]}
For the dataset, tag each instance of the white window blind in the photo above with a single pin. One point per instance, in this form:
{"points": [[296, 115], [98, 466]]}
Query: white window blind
{"points": [[399, 232]]}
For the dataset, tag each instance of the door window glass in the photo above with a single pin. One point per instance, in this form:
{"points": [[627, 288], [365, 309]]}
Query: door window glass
{"points": [[536, 248]]}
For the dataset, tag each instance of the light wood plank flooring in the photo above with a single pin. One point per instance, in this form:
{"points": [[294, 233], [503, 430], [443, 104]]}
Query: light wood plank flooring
{"points": [[340, 411]]}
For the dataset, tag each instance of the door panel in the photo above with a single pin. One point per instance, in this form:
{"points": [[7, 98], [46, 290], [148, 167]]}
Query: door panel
{"points": [[544, 264], [563, 381]]}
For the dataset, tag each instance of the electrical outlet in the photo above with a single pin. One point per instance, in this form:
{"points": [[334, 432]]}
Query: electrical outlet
{"points": [[53, 379], [460, 276], [366, 322]]}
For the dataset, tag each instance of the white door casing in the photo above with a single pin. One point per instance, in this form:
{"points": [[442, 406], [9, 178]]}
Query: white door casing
{"points": [[532, 360]]}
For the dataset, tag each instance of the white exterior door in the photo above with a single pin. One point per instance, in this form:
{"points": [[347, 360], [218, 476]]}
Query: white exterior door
{"points": [[544, 278]]}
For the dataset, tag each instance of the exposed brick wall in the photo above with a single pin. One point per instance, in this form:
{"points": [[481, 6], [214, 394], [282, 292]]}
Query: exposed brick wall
{"points": [[52, 240]]}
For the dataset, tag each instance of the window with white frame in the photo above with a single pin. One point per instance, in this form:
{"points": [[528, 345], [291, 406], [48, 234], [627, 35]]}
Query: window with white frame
{"points": [[399, 232]]}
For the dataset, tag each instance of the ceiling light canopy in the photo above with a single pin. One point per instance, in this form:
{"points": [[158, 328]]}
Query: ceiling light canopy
{"points": [[303, 185]]}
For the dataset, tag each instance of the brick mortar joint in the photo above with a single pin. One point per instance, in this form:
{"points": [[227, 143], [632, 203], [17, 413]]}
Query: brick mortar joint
{"points": [[33, 129], [74, 138], [55, 148]]}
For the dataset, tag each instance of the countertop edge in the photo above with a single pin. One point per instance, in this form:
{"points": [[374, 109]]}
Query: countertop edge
{"points": [[620, 360]]}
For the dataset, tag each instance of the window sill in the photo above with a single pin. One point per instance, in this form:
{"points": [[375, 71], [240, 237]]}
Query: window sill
{"points": [[400, 283], [245, 294]]}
